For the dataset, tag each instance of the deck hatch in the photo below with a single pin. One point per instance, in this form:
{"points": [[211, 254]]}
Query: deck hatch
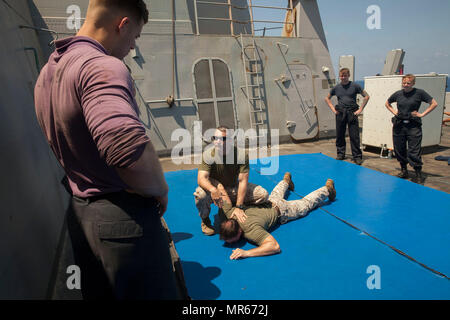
{"points": [[214, 96]]}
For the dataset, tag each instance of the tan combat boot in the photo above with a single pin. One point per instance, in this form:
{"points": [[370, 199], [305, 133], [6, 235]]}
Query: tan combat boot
{"points": [[288, 178], [331, 189]]}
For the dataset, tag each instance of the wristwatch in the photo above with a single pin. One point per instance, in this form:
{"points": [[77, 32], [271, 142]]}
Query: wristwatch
{"points": [[240, 207]]}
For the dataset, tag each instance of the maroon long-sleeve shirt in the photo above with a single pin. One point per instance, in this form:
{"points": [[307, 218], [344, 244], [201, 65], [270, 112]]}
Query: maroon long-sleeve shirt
{"points": [[85, 105]]}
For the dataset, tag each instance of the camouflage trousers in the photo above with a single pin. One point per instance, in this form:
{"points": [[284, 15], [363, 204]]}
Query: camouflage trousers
{"points": [[255, 195], [294, 209]]}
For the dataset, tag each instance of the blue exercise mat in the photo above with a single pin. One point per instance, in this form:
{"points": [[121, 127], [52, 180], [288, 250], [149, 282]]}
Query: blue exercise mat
{"points": [[344, 250]]}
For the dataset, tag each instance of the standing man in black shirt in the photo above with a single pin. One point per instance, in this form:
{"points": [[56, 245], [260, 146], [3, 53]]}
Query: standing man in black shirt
{"points": [[347, 111], [407, 125]]}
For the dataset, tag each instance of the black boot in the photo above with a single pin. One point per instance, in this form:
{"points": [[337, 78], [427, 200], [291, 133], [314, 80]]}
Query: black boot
{"points": [[403, 174], [419, 177]]}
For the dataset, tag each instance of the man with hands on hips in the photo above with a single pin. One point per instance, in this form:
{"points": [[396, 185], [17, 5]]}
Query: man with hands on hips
{"points": [[347, 111], [407, 125]]}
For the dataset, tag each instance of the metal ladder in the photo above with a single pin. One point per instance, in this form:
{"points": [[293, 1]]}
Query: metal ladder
{"points": [[253, 80]]}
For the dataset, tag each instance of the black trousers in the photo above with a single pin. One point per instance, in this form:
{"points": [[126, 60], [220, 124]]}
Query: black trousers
{"points": [[407, 139], [345, 118], [125, 234]]}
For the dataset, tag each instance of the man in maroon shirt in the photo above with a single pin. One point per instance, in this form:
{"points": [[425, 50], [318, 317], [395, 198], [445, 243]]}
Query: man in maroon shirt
{"points": [[84, 100]]}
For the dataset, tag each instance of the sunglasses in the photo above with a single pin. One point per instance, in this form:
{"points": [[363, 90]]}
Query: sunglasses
{"points": [[219, 138]]}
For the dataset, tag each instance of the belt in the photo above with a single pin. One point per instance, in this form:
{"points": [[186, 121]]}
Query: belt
{"points": [[117, 195], [346, 109], [275, 207]]}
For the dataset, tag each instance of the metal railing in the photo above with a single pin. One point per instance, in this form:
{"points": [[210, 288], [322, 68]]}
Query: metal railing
{"points": [[249, 7]]}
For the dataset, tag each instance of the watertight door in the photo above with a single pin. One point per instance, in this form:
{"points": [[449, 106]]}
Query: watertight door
{"points": [[213, 93], [301, 116]]}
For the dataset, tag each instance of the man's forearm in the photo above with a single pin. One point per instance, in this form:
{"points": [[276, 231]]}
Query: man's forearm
{"points": [[330, 105], [242, 190], [205, 184], [389, 107], [365, 100], [145, 176], [264, 250], [432, 106], [268, 247]]}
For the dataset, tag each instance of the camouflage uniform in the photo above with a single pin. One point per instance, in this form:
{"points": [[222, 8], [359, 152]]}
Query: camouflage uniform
{"points": [[294, 209]]}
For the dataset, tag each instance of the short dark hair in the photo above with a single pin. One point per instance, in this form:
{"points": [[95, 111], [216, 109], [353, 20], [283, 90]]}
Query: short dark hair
{"points": [[229, 229], [223, 128], [137, 8], [344, 70]]}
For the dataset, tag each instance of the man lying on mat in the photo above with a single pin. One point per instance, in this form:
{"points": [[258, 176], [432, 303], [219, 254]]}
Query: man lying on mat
{"points": [[258, 220]]}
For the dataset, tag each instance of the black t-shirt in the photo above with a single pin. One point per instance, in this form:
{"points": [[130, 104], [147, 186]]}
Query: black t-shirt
{"points": [[409, 102], [346, 94]]}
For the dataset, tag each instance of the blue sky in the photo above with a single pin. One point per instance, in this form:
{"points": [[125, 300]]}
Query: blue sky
{"points": [[420, 27]]}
